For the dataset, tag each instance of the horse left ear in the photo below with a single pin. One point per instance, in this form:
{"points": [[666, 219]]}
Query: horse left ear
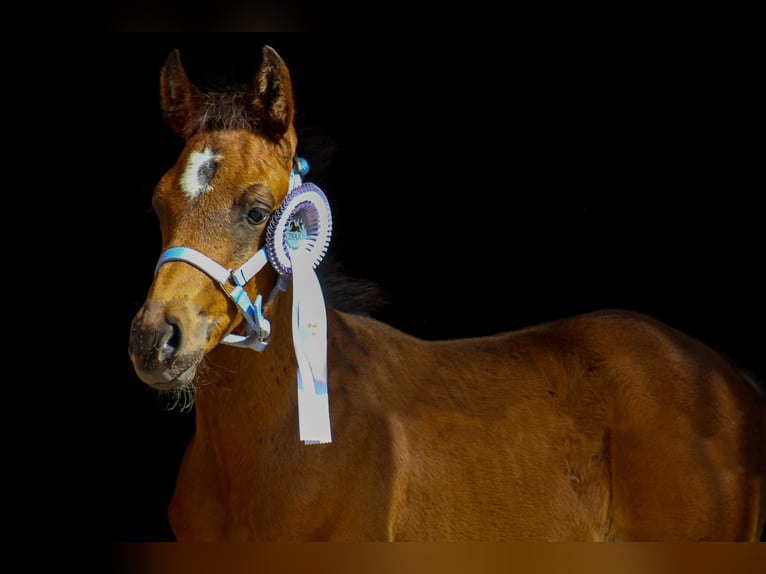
{"points": [[273, 95], [179, 98]]}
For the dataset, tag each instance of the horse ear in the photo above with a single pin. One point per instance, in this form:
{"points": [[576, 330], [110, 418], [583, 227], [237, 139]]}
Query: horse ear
{"points": [[273, 95], [179, 98]]}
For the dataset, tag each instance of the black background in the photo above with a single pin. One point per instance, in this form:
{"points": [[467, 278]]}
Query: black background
{"points": [[457, 174]]}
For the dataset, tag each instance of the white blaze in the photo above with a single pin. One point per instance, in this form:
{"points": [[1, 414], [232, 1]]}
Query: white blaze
{"points": [[195, 179]]}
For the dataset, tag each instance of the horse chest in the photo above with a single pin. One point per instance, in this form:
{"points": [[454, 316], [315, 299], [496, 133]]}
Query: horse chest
{"points": [[268, 497]]}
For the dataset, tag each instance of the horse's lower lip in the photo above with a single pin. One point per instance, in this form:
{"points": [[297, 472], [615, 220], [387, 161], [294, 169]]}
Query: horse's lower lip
{"points": [[174, 384], [167, 382]]}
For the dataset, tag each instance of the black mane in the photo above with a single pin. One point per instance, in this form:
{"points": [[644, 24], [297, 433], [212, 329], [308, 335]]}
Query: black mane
{"points": [[341, 291], [348, 294]]}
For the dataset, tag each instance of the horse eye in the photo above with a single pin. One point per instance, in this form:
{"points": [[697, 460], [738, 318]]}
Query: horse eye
{"points": [[257, 215]]}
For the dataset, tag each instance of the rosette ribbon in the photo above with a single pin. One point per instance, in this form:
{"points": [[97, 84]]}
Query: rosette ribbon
{"points": [[297, 240]]}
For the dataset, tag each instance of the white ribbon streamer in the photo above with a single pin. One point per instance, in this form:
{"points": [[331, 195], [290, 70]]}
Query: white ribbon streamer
{"points": [[310, 342]]}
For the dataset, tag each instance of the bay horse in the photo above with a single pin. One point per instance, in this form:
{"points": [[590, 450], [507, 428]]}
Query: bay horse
{"points": [[317, 424]]}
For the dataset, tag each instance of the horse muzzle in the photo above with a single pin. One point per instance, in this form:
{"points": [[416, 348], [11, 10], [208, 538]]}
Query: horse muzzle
{"points": [[166, 344]]}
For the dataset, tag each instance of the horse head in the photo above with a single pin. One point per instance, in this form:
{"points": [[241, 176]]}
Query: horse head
{"points": [[214, 204]]}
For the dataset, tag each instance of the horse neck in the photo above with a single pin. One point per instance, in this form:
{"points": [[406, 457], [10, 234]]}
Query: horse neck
{"points": [[246, 393]]}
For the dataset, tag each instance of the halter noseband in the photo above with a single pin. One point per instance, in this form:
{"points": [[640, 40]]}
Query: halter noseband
{"points": [[233, 284]]}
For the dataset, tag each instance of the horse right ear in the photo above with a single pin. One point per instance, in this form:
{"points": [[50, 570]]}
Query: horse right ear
{"points": [[179, 98], [272, 101]]}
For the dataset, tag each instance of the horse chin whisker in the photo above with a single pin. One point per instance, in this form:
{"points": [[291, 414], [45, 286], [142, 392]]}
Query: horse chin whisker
{"points": [[180, 399]]}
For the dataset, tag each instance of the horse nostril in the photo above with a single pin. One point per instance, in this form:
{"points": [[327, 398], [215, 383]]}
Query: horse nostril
{"points": [[169, 343]]}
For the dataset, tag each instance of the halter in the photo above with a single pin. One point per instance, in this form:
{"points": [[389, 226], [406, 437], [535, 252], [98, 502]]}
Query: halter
{"points": [[232, 283], [296, 241]]}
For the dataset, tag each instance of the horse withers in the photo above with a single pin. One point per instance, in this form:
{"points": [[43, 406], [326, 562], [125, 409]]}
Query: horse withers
{"points": [[314, 423]]}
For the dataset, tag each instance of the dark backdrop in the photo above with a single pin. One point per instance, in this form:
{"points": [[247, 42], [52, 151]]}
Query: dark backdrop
{"points": [[484, 189]]}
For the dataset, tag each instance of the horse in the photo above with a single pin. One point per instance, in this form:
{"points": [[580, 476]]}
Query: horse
{"points": [[314, 423]]}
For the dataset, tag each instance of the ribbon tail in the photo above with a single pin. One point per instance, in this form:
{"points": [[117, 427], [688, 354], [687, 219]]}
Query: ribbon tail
{"points": [[310, 341]]}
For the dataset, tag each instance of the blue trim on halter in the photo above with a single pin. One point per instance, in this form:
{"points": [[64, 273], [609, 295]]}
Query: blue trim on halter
{"points": [[195, 258]]}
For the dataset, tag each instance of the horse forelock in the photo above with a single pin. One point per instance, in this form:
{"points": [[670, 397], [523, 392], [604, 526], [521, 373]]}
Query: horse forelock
{"points": [[223, 110], [231, 109]]}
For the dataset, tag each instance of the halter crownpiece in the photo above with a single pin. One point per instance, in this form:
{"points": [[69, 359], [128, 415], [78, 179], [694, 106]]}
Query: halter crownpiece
{"points": [[297, 238]]}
